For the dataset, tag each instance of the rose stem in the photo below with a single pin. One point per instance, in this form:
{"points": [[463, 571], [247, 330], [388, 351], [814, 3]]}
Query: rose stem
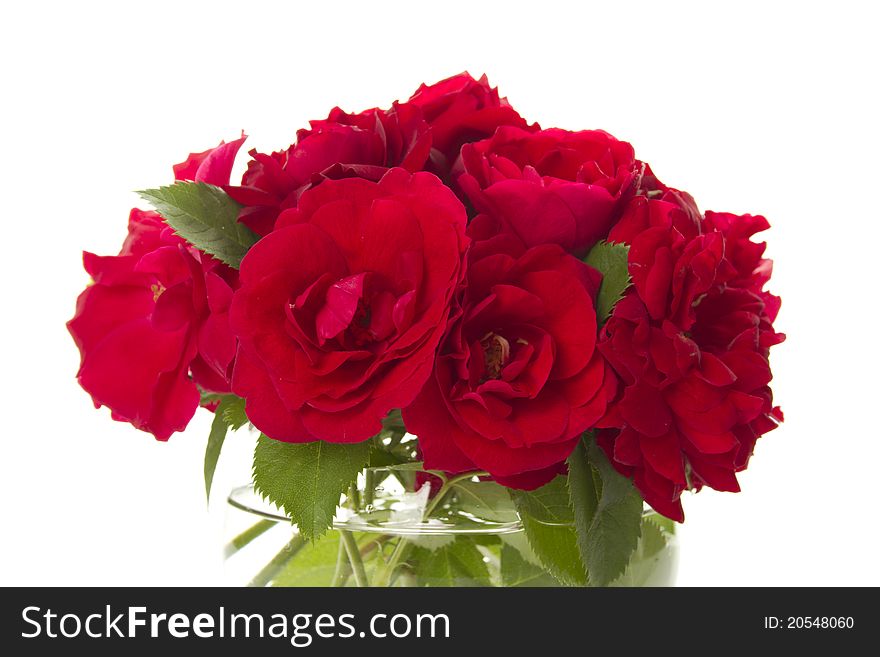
{"points": [[343, 569], [354, 557], [384, 578], [246, 537], [271, 570]]}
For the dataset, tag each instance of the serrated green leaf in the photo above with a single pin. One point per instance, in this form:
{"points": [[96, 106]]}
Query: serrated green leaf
{"points": [[205, 216], [611, 261], [228, 414], [653, 562], [653, 538], [459, 563], [431, 541], [307, 479], [232, 409], [517, 571], [664, 523], [485, 500], [520, 543], [608, 537], [548, 521], [549, 503], [583, 493]]}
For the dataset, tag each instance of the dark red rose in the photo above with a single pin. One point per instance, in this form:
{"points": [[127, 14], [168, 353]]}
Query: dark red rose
{"points": [[362, 145], [517, 379], [153, 327], [460, 110], [342, 306], [690, 342], [551, 186]]}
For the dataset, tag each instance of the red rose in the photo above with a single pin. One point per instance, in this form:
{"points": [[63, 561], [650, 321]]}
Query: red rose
{"points": [[551, 186], [363, 145], [517, 380], [461, 110], [153, 324], [690, 343], [651, 187], [342, 306], [400, 136]]}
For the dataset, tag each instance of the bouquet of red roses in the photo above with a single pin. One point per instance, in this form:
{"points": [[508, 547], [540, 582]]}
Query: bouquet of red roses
{"points": [[443, 283]]}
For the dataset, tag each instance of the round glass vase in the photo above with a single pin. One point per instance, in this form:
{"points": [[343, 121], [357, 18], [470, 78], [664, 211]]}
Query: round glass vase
{"points": [[402, 526]]}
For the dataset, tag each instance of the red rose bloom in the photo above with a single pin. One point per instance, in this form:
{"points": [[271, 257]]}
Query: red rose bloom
{"points": [[551, 186], [153, 325], [690, 343], [517, 380], [362, 145], [342, 306], [461, 110], [651, 187]]}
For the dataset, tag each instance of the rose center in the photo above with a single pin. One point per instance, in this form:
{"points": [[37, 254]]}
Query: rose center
{"points": [[496, 352], [359, 328], [358, 311], [157, 289]]}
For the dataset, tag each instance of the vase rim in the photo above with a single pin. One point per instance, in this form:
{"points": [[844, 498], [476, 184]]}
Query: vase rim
{"points": [[245, 498], [388, 521]]}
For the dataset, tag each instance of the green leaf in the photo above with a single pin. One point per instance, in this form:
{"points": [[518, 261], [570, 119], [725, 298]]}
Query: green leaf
{"points": [[548, 521], [229, 414], [206, 217], [664, 523], [394, 421], [653, 538], [232, 408], [611, 261], [520, 543], [652, 563], [608, 513], [388, 447], [517, 571], [380, 458], [583, 496], [459, 563], [307, 479], [486, 500]]}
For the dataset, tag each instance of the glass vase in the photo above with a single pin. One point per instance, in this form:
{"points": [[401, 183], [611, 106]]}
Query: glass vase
{"points": [[402, 526]]}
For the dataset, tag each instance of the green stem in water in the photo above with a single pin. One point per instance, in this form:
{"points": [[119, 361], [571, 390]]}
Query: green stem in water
{"points": [[279, 561], [384, 577], [446, 487], [247, 536], [354, 558], [343, 568]]}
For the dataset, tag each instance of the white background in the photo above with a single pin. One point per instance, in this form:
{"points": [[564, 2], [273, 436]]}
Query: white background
{"points": [[765, 108]]}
